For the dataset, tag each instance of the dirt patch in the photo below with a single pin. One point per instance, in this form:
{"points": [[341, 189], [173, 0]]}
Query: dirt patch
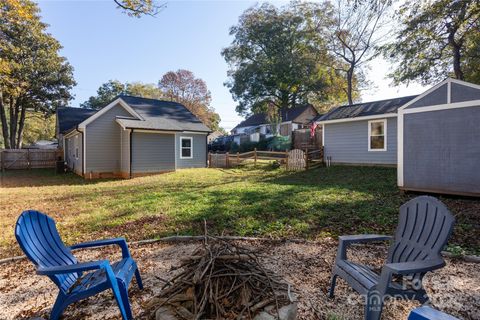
{"points": [[454, 289]]}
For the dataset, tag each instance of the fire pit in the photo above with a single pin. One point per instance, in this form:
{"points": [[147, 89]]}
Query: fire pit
{"points": [[222, 280]]}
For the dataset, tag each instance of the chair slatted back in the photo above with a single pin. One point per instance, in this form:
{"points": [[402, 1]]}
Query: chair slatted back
{"points": [[423, 230], [39, 239]]}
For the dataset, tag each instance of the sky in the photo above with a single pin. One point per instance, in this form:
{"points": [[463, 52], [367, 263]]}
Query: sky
{"points": [[102, 43]]}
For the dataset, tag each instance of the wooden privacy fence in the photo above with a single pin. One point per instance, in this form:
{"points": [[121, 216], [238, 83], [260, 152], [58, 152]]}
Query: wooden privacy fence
{"points": [[29, 158], [292, 160]]}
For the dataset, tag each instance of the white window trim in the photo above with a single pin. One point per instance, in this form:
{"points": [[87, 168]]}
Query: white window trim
{"points": [[191, 147], [384, 121]]}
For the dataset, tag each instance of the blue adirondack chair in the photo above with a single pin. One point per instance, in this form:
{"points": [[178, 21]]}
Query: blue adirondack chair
{"points": [[423, 230], [39, 239]]}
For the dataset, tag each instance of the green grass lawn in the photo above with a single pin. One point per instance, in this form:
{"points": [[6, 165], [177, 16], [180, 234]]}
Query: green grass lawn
{"points": [[247, 201]]}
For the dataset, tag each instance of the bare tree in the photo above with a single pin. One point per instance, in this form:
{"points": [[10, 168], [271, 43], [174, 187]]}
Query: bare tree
{"points": [[358, 29]]}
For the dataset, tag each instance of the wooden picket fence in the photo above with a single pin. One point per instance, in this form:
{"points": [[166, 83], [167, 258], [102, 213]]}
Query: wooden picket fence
{"points": [[292, 160], [29, 158]]}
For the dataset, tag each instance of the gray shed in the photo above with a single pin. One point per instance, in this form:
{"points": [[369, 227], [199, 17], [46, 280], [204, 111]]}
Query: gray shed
{"points": [[131, 137], [439, 140]]}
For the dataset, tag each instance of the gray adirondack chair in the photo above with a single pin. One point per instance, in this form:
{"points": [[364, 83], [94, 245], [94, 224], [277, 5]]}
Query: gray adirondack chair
{"points": [[423, 230]]}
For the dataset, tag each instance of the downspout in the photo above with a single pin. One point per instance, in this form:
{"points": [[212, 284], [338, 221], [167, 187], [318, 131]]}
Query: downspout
{"points": [[131, 153], [206, 153]]}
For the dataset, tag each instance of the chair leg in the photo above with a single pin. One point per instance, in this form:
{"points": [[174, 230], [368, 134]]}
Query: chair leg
{"points": [[126, 303], [58, 307], [331, 293], [139, 279], [373, 305], [118, 297]]}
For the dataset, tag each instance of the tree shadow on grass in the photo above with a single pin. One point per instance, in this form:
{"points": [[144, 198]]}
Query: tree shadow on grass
{"points": [[42, 178]]}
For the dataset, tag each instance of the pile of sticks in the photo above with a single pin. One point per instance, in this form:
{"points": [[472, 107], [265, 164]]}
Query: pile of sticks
{"points": [[221, 280]]}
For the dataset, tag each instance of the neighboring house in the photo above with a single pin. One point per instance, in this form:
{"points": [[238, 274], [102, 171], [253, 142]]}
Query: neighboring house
{"points": [[213, 136], [131, 137], [257, 126], [433, 138], [43, 144]]}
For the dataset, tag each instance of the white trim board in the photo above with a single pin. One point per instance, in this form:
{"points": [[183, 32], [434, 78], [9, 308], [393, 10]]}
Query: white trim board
{"points": [[377, 116], [447, 106], [151, 131], [102, 111]]}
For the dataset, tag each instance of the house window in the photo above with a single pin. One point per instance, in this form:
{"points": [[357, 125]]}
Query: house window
{"points": [[186, 146], [377, 137]]}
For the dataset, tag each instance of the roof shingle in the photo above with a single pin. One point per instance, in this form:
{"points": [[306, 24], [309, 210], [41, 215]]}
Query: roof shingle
{"points": [[366, 109], [69, 118], [287, 114]]}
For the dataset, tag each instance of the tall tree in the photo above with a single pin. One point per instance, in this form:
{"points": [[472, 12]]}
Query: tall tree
{"points": [[357, 29], [33, 76], [279, 57], [113, 88], [146, 90], [437, 39], [105, 94], [182, 86]]}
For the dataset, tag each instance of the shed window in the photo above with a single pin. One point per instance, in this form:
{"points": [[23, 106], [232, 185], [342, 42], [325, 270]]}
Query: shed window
{"points": [[186, 147], [377, 138], [76, 153]]}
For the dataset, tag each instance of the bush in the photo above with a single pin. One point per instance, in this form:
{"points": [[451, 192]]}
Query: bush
{"points": [[277, 143]]}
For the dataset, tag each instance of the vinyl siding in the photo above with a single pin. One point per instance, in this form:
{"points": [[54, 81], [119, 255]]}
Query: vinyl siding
{"points": [[438, 96], [103, 142], [125, 151], [199, 159], [153, 152], [462, 93], [71, 143], [442, 150], [347, 142]]}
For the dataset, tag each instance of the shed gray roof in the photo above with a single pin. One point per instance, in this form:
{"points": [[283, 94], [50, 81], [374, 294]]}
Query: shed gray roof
{"points": [[161, 115], [366, 109], [287, 114], [69, 118]]}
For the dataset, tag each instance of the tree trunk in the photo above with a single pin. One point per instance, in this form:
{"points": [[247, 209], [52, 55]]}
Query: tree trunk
{"points": [[13, 123], [21, 125], [350, 84], [457, 56], [457, 68], [3, 117]]}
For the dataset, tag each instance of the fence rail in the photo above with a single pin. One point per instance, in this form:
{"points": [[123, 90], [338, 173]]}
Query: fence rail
{"points": [[28, 158], [292, 160]]}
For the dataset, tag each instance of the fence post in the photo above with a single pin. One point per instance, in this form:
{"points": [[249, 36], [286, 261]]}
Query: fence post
{"points": [[226, 160], [286, 160], [209, 159], [238, 158], [28, 159], [254, 156], [306, 159]]}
